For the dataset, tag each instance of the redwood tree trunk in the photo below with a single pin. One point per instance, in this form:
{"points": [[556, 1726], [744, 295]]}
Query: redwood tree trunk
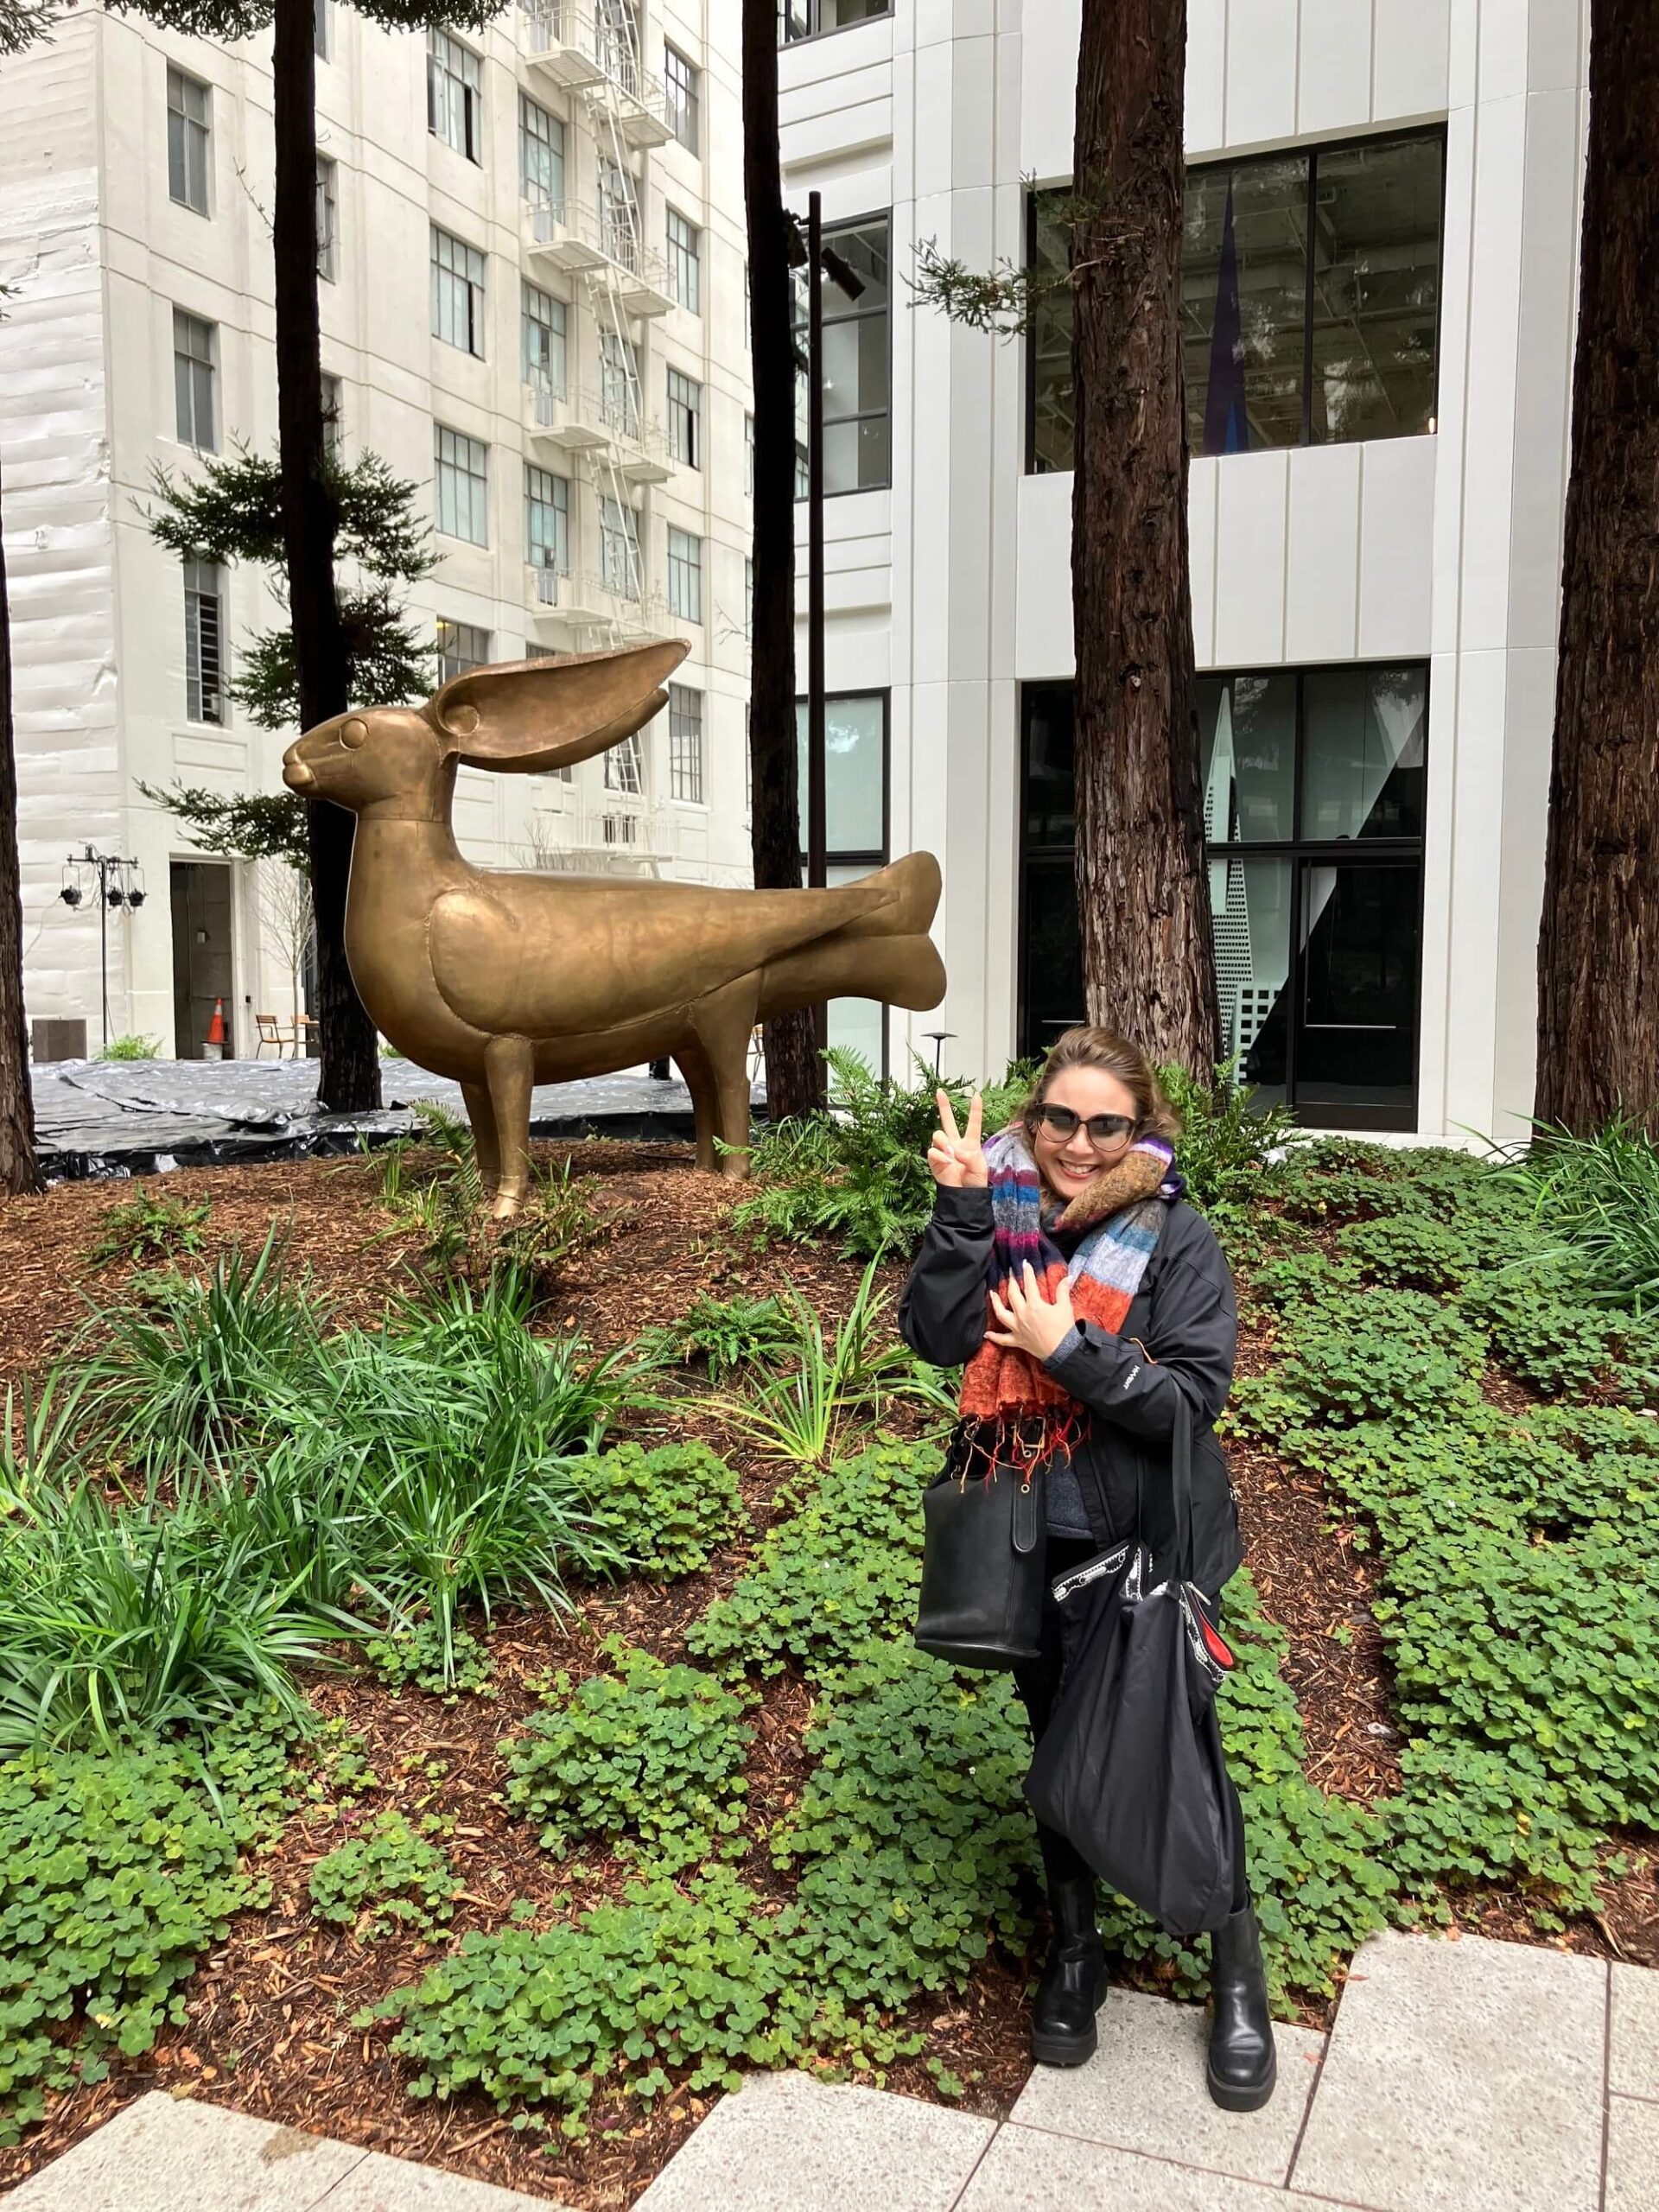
{"points": [[794, 1070], [1143, 901], [1598, 947], [18, 1169], [349, 1077]]}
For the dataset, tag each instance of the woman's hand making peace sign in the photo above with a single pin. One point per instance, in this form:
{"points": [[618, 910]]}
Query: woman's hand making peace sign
{"points": [[954, 1158]]}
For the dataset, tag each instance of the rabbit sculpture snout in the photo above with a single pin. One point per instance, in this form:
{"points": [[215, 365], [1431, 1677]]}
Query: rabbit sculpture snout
{"points": [[502, 981]]}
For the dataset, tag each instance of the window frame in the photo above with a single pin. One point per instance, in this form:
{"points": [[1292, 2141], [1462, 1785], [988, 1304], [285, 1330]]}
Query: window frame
{"points": [[689, 565], [855, 314], [559, 508], [678, 731], [681, 257], [458, 631], [188, 124], [209, 362], [557, 147], [671, 55], [440, 44], [440, 431], [334, 419], [327, 219], [558, 328], [1311, 151], [194, 594], [690, 410], [885, 13], [477, 304]]}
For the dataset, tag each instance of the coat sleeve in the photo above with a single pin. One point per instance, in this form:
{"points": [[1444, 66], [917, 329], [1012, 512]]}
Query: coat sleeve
{"points": [[1189, 1346], [942, 1311]]}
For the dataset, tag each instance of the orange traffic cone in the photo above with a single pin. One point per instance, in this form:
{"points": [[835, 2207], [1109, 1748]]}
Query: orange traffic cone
{"points": [[213, 1047]]}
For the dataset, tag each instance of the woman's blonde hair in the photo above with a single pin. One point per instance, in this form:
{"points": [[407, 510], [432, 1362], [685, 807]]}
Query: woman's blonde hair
{"points": [[1113, 1055]]}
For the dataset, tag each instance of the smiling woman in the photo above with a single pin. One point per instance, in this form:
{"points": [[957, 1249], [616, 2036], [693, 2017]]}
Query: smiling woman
{"points": [[1095, 1316]]}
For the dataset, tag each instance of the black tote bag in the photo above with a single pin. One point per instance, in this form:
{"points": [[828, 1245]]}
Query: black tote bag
{"points": [[1130, 1767], [985, 1554]]}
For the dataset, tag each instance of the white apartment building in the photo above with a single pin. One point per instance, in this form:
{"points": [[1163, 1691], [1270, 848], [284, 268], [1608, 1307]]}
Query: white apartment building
{"points": [[533, 306], [1379, 292]]}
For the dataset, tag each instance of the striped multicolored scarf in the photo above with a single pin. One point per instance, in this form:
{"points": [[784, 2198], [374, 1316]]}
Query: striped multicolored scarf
{"points": [[1013, 1411]]}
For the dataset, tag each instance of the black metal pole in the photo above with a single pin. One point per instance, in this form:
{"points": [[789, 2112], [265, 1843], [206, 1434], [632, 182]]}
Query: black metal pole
{"points": [[817, 825], [104, 942]]}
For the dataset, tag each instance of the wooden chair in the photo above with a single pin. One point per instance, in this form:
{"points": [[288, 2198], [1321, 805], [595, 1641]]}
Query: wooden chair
{"points": [[270, 1033]]}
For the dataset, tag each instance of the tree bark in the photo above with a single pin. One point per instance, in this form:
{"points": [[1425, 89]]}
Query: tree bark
{"points": [[1598, 946], [794, 1070], [19, 1170], [1143, 901], [349, 1077]]}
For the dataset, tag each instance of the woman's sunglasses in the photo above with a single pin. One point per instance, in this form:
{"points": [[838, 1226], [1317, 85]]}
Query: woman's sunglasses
{"points": [[1103, 1129]]}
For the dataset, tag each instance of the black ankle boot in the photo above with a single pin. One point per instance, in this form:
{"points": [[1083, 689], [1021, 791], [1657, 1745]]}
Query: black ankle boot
{"points": [[1073, 1985], [1243, 2062]]}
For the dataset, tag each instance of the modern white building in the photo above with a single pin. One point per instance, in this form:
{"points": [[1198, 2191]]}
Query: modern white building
{"points": [[533, 307], [1379, 291]]}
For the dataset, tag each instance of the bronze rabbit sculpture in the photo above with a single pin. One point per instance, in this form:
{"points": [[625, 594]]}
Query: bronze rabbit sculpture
{"points": [[504, 980]]}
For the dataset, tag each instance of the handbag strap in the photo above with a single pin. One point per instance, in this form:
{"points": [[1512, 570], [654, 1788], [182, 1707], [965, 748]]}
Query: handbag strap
{"points": [[1180, 1482]]}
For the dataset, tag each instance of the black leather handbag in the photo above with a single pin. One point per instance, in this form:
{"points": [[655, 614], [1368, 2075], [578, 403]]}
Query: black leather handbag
{"points": [[985, 1554]]}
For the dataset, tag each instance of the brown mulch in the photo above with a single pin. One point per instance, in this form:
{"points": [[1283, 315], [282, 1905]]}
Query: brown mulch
{"points": [[268, 2028]]}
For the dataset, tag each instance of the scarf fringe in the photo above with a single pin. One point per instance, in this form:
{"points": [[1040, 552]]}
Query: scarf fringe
{"points": [[1020, 1441]]}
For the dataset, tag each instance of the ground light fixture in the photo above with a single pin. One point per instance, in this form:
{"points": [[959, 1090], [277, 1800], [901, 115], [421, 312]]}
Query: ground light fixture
{"points": [[119, 883]]}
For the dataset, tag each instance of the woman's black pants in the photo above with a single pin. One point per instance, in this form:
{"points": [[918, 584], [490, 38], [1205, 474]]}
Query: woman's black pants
{"points": [[1038, 1683]]}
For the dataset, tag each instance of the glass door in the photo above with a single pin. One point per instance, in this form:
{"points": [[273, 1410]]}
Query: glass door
{"points": [[1354, 1050]]}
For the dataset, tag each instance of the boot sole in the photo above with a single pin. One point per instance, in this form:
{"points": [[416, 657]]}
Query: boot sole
{"points": [[1049, 2050], [1233, 2097]]}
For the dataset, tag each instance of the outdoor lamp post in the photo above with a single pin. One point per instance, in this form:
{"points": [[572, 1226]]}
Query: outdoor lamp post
{"points": [[117, 888], [817, 259]]}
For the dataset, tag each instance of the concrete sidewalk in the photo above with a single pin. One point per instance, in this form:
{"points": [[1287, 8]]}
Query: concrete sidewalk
{"points": [[1467, 2077]]}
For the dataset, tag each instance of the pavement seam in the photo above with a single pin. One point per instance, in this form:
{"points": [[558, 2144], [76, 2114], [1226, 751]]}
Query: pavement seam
{"points": [[1606, 2084], [968, 2179], [317, 2202], [1187, 2166], [1631, 2097], [1307, 2105]]}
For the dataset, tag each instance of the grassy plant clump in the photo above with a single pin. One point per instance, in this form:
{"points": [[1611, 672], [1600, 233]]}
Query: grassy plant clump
{"points": [[671, 1981], [419, 1655], [859, 1174], [391, 1876], [1229, 1150], [556, 1221], [843, 1568], [131, 1048], [148, 1226], [117, 1870], [664, 1511], [648, 1759], [1598, 1197], [729, 1334]]}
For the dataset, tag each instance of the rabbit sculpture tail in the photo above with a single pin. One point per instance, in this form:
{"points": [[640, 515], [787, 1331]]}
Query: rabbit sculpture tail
{"points": [[502, 981]]}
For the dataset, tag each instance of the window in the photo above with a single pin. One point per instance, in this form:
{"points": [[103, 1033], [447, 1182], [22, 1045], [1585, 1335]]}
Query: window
{"points": [[454, 105], [189, 140], [680, 79], [618, 549], [547, 520], [457, 293], [1310, 300], [684, 420], [684, 574], [618, 384], [685, 744], [625, 767], [799, 19], [748, 598], [748, 456], [328, 220], [856, 832], [619, 215], [462, 466], [461, 645], [857, 452], [1314, 798], [322, 29], [1050, 404], [195, 346], [684, 244], [333, 414], [204, 642], [541, 156], [542, 330]]}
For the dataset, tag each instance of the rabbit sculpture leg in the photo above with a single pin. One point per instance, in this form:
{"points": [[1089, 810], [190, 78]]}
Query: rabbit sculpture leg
{"points": [[504, 980]]}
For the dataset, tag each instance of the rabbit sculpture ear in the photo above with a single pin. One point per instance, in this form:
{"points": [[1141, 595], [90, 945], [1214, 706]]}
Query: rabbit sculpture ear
{"points": [[536, 715]]}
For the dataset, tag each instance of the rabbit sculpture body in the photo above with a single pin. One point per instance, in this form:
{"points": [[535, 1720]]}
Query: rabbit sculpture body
{"points": [[505, 979]]}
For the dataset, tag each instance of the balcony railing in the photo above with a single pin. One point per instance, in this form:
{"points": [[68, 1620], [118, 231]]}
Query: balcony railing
{"points": [[581, 49]]}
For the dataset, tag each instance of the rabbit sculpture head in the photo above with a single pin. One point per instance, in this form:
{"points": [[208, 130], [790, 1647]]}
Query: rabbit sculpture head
{"points": [[529, 715]]}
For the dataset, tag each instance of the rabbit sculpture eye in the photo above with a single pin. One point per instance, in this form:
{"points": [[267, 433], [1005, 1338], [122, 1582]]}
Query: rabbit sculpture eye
{"points": [[502, 981]]}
